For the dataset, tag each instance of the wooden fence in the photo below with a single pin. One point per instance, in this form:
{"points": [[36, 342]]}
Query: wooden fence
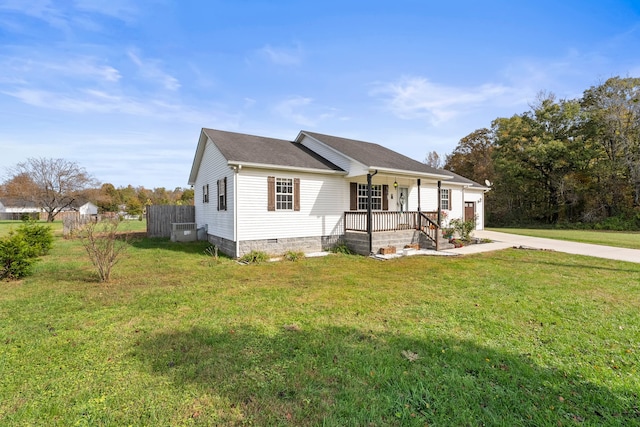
{"points": [[71, 223], [160, 217], [18, 216]]}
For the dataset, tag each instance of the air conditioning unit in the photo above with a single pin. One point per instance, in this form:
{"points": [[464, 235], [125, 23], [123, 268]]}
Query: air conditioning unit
{"points": [[183, 232]]}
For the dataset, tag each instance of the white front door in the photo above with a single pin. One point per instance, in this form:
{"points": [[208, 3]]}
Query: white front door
{"points": [[403, 198]]}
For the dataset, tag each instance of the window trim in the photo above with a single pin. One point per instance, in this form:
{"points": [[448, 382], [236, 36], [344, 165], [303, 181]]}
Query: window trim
{"points": [[222, 194], [377, 193], [205, 193], [446, 199], [272, 195], [284, 199]]}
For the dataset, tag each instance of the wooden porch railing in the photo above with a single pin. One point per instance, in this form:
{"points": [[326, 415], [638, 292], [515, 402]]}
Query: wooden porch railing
{"points": [[390, 221]]}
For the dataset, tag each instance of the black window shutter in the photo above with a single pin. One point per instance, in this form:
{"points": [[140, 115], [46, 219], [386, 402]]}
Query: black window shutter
{"points": [[225, 194]]}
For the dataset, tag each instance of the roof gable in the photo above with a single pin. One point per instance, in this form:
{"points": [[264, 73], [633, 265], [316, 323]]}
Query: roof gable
{"points": [[374, 155], [240, 148]]}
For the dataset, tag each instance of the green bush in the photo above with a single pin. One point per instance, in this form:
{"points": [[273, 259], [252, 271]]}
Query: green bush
{"points": [[38, 237], [341, 248], [16, 257], [255, 257], [463, 228], [293, 255]]}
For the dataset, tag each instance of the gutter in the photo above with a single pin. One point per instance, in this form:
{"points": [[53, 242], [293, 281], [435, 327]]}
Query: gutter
{"points": [[233, 163]]}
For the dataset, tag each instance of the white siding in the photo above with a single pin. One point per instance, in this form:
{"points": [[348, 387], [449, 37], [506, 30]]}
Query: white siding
{"points": [[212, 168], [354, 168], [476, 196], [88, 209], [322, 199]]}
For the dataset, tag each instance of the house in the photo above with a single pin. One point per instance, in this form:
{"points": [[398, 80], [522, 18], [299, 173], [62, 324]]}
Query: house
{"points": [[16, 209], [85, 208], [273, 195]]}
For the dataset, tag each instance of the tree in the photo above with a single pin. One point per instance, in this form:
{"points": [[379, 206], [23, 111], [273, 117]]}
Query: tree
{"points": [[433, 160], [52, 184], [613, 110], [472, 157], [537, 152], [108, 199], [187, 196]]}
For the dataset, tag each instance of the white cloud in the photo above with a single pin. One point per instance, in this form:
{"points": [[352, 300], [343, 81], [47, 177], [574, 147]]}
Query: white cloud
{"points": [[124, 10], [150, 69], [282, 56], [87, 101], [417, 97], [39, 9], [302, 111], [36, 69]]}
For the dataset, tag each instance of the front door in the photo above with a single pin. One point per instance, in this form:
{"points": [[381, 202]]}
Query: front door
{"points": [[469, 210], [403, 198]]}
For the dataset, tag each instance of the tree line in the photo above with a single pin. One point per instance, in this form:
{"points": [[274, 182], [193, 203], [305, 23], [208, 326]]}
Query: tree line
{"points": [[565, 161], [57, 184]]}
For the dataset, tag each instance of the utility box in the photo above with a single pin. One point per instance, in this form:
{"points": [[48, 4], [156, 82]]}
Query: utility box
{"points": [[183, 232]]}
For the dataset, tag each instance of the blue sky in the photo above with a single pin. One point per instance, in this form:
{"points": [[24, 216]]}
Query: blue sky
{"points": [[123, 87]]}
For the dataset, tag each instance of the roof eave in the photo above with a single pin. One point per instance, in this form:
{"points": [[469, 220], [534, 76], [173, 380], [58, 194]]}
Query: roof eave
{"points": [[197, 158], [241, 164], [414, 174]]}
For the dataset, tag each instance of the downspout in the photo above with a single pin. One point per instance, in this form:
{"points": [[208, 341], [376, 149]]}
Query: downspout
{"points": [[439, 230], [235, 209], [439, 203], [419, 214], [369, 216]]}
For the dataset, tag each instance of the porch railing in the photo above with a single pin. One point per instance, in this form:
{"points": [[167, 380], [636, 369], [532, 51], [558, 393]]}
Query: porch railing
{"points": [[390, 221]]}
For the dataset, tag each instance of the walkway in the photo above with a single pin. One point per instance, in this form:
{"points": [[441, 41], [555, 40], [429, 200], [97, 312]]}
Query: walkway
{"points": [[504, 240]]}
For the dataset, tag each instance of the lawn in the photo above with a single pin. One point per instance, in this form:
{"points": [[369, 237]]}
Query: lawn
{"points": [[621, 239], [513, 337]]}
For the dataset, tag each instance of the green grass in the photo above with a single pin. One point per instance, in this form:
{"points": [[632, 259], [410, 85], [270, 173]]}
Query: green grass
{"points": [[125, 226], [513, 337], [626, 239]]}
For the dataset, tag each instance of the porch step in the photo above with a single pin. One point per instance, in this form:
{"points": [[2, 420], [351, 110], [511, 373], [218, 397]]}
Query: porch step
{"points": [[442, 243]]}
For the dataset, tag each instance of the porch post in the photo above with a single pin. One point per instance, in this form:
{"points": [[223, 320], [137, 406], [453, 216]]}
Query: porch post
{"points": [[418, 194], [439, 203], [369, 216]]}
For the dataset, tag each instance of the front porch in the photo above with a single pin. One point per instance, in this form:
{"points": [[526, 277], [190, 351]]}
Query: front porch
{"points": [[392, 229]]}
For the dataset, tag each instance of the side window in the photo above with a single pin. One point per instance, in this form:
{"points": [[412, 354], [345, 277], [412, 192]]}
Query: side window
{"points": [[376, 197], [222, 194], [283, 194], [205, 193], [445, 199]]}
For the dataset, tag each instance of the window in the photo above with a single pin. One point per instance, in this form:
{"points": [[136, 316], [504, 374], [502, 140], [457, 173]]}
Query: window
{"points": [[376, 197], [205, 193], [445, 195], [284, 194], [222, 194]]}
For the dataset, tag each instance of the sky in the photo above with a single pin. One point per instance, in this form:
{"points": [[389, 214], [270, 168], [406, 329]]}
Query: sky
{"points": [[123, 87]]}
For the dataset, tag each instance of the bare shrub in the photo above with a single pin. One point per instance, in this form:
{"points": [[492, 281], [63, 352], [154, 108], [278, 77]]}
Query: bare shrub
{"points": [[104, 245]]}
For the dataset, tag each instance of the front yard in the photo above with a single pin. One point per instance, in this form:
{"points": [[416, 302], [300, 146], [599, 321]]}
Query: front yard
{"points": [[177, 338]]}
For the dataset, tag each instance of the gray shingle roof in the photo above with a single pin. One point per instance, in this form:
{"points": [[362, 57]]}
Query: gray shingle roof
{"points": [[373, 155], [239, 147], [462, 179]]}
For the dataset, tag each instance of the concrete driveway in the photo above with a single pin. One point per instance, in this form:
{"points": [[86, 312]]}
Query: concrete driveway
{"points": [[505, 240]]}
